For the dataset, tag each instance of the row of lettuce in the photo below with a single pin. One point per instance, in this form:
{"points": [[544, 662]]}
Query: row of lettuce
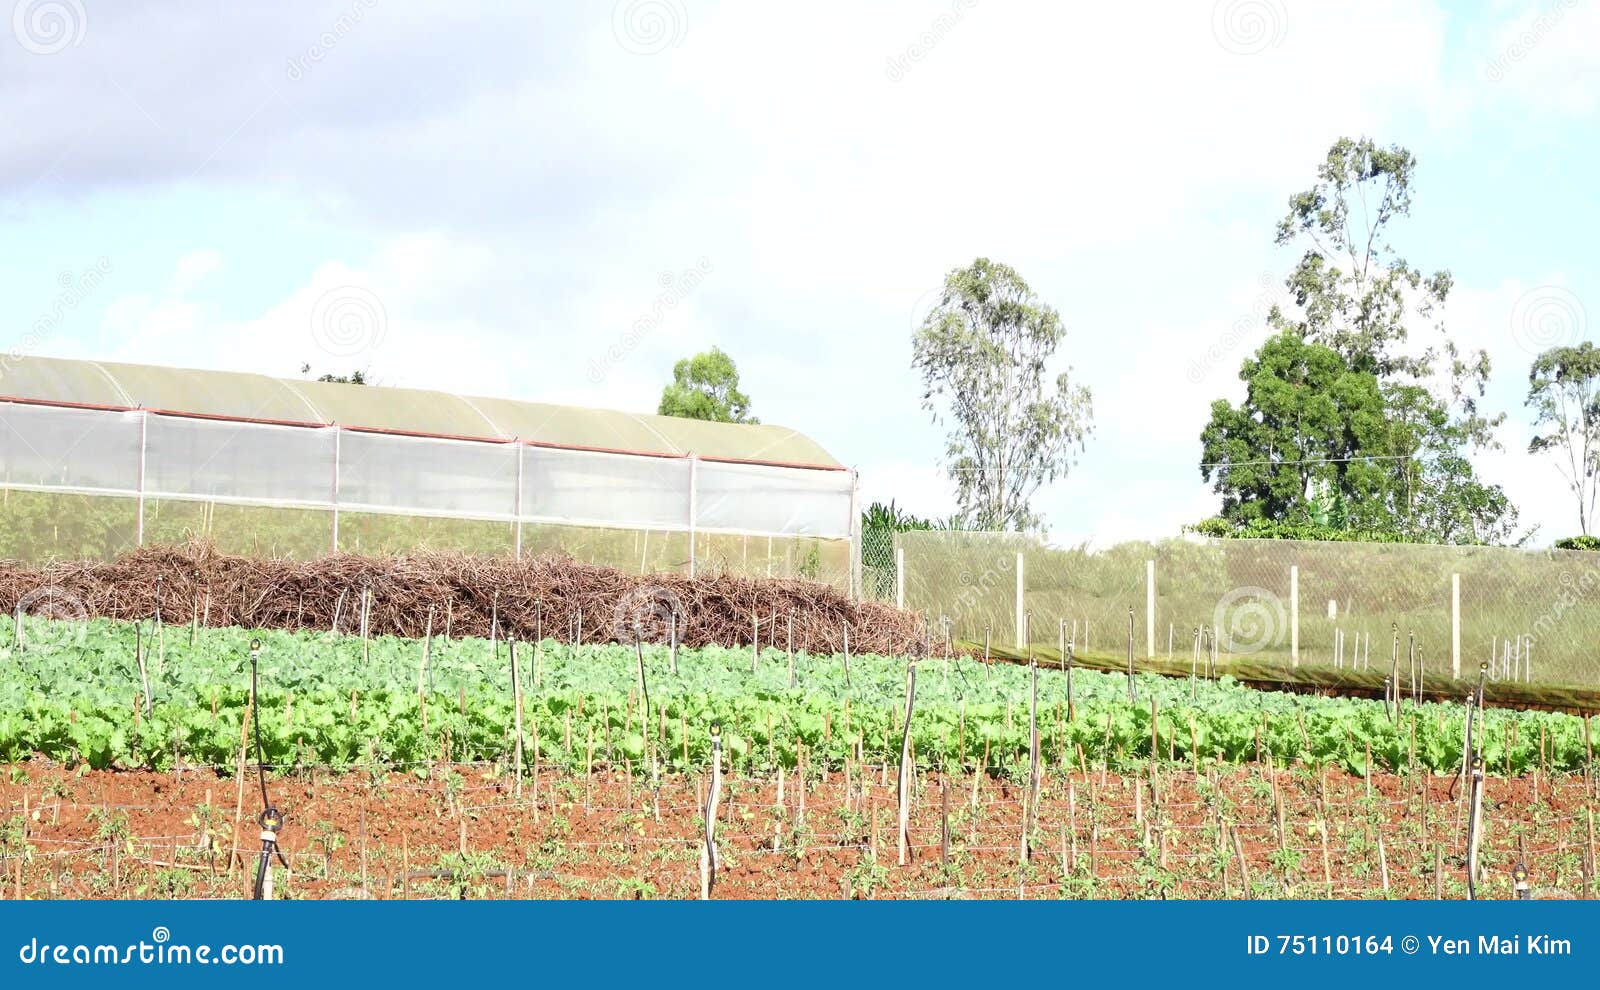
{"points": [[76, 693]]}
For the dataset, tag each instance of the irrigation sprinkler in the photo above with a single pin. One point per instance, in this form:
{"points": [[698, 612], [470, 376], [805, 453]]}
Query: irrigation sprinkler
{"points": [[1070, 711], [144, 676], [516, 713], [708, 853], [1033, 759], [1475, 815], [907, 770], [1392, 682], [1422, 674], [270, 819], [1133, 693], [644, 713], [1519, 881], [1411, 659], [1194, 663]]}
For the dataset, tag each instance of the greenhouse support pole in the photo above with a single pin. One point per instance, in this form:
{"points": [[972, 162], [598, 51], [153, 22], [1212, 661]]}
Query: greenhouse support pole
{"points": [[1150, 609], [144, 445], [1294, 615], [900, 577], [338, 436], [1455, 625], [855, 535], [516, 504], [694, 505], [1022, 619]]}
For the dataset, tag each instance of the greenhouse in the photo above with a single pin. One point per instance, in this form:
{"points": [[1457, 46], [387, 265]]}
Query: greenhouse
{"points": [[99, 457]]}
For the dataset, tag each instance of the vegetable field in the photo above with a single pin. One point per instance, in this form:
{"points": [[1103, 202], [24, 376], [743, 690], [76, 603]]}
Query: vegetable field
{"points": [[132, 772]]}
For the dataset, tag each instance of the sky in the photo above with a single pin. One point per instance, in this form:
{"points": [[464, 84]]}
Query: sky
{"points": [[556, 202]]}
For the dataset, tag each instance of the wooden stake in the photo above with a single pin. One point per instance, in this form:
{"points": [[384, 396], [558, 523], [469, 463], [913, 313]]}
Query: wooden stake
{"points": [[907, 769]]}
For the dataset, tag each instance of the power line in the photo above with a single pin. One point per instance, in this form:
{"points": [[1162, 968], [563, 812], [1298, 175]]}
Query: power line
{"points": [[1319, 460]]}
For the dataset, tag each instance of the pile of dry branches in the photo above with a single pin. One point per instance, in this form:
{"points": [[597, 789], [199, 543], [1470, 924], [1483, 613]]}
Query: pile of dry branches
{"points": [[460, 595]]}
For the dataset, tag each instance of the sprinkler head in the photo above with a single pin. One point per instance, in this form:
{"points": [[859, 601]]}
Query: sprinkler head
{"points": [[255, 646]]}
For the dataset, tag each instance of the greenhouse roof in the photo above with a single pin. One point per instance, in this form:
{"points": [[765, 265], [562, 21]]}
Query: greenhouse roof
{"points": [[240, 395]]}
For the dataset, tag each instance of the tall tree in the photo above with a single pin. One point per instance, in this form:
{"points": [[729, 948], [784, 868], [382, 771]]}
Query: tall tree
{"points": [[1408, 471], [1564, 392], [984, 353], [706, 386]]}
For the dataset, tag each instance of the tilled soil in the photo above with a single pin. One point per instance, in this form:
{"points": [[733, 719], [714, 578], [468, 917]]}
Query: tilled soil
{"points": [[463, 831]]}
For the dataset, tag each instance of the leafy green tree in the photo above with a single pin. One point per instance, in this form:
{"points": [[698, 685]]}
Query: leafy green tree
{"points": [[984, 353], [1321, 445], [1564, 392], [706, 386], [1306, 424], [1391, 456]]}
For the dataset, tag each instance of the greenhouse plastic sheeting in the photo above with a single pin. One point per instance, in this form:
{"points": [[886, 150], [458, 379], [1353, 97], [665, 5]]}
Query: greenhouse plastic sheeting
{"points": [[762, 499], [458, 477], [218, 459], [299, 490], [68, 448], [590, 488]]}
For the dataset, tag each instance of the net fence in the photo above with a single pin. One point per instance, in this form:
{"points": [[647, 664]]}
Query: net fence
{"points": [[79, 483], [1290, 610]]}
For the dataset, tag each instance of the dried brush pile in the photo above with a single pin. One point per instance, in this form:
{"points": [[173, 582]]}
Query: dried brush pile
{"points": [[459, 595]]}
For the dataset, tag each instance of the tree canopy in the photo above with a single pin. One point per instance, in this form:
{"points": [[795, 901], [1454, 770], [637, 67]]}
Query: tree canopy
{"points": [[706, 386]]}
